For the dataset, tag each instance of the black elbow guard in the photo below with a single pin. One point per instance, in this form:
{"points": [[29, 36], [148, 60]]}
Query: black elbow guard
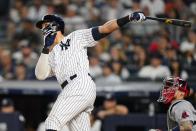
{"points": [[97, 35]]}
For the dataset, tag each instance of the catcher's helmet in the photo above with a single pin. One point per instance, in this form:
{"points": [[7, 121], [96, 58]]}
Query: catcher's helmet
{"points": [[170, 86], [58, 21]]}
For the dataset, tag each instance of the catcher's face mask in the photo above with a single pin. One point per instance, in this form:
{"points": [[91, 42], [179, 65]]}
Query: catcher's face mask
{"points": [[170, 86]]}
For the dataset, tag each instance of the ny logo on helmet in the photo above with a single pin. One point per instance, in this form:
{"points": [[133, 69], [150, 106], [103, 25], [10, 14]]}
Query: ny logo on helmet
{"points": [[64, 46]]}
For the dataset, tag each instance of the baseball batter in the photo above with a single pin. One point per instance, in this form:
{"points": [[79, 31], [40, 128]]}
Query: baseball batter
{"points": [[65, 57], [181, 115]]}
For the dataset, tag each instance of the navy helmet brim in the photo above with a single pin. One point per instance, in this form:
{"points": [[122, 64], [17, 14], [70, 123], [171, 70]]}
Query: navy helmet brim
{"points": [[39, 23]]}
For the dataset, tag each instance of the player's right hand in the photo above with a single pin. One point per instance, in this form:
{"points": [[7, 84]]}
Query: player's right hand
{"points": [[137, 17]]}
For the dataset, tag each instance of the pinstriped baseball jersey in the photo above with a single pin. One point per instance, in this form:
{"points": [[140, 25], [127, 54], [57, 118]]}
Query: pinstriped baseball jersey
{"points": [[76, 100], [70, 56], [179, 111]]}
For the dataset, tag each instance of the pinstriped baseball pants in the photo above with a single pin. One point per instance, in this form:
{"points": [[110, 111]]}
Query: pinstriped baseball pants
{"points": [[73, 106]]}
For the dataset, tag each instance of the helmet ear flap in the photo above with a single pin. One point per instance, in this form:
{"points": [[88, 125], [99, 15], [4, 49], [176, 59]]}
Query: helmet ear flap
{"points": [[187, 92], [183, 86], [59, 27], [55, 26]]}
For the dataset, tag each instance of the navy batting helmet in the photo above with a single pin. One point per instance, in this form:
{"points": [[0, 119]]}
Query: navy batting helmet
{"points": [[58, 21]]}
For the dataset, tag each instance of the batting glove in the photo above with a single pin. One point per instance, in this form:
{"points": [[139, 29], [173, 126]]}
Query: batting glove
{"points": [[137, 17], [49, 39], [49, 35]]}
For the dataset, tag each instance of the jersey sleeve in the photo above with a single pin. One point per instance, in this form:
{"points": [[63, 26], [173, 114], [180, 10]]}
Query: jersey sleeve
{"points": [[85, 37], [43, 69], [183, 112]]}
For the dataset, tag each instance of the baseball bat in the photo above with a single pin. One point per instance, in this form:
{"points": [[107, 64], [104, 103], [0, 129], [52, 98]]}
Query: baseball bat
{"points": [[169, 21]]}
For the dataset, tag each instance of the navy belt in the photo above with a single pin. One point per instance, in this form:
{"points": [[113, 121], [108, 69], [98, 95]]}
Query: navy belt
{"points": [[66, 81], [71, 78]]}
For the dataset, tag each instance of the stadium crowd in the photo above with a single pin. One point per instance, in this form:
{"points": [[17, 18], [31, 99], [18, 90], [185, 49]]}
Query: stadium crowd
{"points": [[133, 51]]}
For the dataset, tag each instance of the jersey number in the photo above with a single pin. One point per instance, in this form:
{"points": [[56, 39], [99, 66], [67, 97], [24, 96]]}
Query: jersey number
{"points": [[64, 46]]}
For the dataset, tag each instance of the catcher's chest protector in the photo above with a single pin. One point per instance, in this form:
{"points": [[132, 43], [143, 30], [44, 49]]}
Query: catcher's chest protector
{"points": [[180, 110]]}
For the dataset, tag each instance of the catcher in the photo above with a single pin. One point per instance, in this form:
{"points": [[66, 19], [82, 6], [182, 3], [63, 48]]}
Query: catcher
{"points": [[181, 115]]}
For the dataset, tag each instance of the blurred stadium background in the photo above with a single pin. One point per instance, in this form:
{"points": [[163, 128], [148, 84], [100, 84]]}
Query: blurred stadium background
{"points": [[128, 65]]}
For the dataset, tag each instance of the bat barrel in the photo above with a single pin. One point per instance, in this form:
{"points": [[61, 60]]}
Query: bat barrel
{"points": [[176, 22]]}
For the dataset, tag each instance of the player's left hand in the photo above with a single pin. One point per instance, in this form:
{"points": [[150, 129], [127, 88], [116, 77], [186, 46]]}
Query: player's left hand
{"points": [[49, 39], [137, 17]]}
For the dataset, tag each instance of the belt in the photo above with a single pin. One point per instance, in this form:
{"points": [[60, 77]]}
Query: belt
{"points": [[66, 82], [71, 78]]}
